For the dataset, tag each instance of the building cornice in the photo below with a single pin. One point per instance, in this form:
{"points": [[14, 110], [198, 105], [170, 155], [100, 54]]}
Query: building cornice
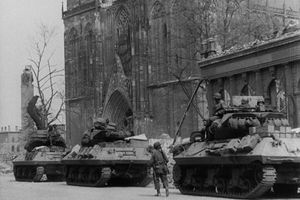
{"points": [[79, 10], [172, 82], [275, 52]]}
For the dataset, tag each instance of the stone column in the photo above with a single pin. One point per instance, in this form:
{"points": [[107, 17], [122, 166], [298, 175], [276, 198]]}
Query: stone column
{"points": [[26, 95]]}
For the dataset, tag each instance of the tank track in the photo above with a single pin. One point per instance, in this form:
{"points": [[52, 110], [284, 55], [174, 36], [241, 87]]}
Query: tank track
{"points": [[24, 173], [267, 180], [100, 176], [27, 173], [88, 176]]}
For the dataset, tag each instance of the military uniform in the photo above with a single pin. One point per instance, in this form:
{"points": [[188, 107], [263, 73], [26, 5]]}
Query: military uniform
{"points": [[160, 170]]}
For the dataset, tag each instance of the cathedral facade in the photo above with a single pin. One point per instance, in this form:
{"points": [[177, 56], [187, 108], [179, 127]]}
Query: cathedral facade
{"points": [[124, 62]]}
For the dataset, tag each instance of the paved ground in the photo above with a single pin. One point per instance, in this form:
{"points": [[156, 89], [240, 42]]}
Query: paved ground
{"points": [[12, 190]]}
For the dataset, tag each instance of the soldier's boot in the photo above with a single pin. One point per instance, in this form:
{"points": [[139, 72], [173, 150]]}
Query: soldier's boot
{"points": [[167, 192], [158, 193]]}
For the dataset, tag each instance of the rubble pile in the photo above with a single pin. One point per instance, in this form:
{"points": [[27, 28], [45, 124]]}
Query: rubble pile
{"points": [[5, 168], [291, 29]]}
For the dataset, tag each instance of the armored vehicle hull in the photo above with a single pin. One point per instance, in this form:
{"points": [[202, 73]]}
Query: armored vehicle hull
{"points": [[109, 163], [41, 161], [266, 160], [42, 164]]}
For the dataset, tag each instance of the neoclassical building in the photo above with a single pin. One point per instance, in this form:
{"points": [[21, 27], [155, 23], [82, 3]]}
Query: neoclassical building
{"points": [[270, 69], [123, 60]]}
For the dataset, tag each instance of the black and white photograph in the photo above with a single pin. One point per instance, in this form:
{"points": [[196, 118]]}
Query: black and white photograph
{"points": [[149, 99]]}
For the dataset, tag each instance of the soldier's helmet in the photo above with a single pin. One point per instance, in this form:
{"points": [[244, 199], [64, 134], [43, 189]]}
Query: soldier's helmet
{"points": [[244, 101], [217, 95], [260, 101], [157, 145]]}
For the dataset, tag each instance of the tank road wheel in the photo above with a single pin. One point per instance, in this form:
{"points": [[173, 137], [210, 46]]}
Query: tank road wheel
{"points": [[68, 174], [258, 174], [32, 173], [92, 175], [25, 172], [72, 177], [18, 172], [220, 185], [246, 186], [177, 175], [145, 179], [105, 174], [285, 189], [83, 175], [97, 175]]}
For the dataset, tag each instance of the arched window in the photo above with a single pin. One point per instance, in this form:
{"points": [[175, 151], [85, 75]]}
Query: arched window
{"points": [[277, 96], [158, 37], [225, 96], [123, 39], [88, 59], [18, 148], [247, 90], [12, 139], [13, 148], [72, 69]]}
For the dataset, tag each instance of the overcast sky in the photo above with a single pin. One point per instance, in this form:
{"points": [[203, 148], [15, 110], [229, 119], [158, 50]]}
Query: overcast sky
{"points": [[18, 21]]}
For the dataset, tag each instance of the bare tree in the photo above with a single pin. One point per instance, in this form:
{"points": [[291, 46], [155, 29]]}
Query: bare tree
{"points": [[230, 22], [46, 74]]}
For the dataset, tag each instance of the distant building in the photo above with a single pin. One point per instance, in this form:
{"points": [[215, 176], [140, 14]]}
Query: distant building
{"points": [[270, 69], [10, 142]]}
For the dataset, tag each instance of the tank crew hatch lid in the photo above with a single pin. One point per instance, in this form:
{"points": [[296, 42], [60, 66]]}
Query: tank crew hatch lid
{"points": [[137, 137]]}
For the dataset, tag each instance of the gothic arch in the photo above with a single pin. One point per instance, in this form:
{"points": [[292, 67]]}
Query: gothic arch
{"points": [[159, 42], [276, 96], [73, 34], [122, 17], [118, 109], [158, 10], [88, 29], [176, 6], [247, 90], [225, 96], [272, 93]]}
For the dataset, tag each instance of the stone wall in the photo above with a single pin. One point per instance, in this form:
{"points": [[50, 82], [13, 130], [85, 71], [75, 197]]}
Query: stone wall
{"points": [[139, 32]]}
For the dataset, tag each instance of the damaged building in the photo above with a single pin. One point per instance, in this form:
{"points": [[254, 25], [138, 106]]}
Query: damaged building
{"points": [[131, 62], [120, 63]]}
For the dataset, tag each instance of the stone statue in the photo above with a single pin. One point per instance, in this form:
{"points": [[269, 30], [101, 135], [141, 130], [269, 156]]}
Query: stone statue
{"points": [[27, 77], [26, 96]]}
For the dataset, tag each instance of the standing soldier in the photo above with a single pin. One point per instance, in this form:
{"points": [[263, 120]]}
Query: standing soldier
{"points": [[159, 162]]}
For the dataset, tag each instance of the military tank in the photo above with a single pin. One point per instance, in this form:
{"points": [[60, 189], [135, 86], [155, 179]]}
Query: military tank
{"points": [[42, 161], [45, 148], [247, 154], [109, 158]]}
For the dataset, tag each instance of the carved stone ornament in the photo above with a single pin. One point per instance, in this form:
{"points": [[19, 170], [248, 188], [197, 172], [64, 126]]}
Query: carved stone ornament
{"points": [[158, 10], [27, 77], [106, 3]]}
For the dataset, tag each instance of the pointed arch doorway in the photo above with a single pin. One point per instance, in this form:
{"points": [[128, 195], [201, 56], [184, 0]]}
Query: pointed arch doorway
{"points": [[119, 111]]}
